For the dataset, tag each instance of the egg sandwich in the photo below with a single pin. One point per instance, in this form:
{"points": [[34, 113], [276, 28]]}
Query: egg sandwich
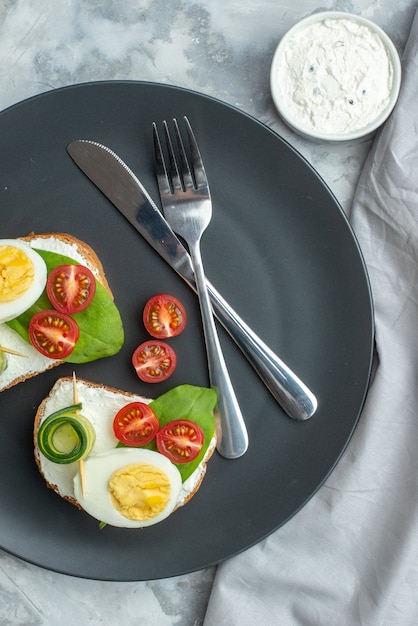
{"points": [[55, 305], [134, 484]]}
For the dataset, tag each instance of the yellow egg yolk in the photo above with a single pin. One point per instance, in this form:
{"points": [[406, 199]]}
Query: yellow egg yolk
{"points": [[16, 273], [139, 491]]}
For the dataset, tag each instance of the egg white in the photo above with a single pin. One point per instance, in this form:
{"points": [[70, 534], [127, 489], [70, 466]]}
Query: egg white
{"points": [[95, 498], [10, 310]]}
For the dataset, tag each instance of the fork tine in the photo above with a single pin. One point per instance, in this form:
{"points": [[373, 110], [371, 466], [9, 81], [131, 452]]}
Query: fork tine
{"points": [[196, 158], [176, 180], [163, 177], [187, 176], [169, 177], [191, 173]]}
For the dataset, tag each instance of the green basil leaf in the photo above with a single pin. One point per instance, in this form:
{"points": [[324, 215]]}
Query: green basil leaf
{"points": [[101, 328], [191, 403]]}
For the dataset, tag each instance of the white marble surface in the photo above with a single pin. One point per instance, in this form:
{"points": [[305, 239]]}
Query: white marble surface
{"points": [[219, 47]]}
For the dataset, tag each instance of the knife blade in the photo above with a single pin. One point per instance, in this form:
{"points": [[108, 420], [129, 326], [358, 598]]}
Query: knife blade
{"points": [[120, 185]]}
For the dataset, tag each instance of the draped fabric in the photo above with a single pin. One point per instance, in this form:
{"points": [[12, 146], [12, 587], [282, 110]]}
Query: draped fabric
{"points": [[350, 556]]}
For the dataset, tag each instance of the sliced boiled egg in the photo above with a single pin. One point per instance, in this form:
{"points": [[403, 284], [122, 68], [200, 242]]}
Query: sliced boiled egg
{"points": [[23, 276], [128, 487]]}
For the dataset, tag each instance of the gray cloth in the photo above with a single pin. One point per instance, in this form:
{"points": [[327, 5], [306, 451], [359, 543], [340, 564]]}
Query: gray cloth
{"points": [[350, 556]]}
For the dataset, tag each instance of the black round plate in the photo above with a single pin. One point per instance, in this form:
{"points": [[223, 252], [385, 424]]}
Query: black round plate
{"points": [[279, 248]]}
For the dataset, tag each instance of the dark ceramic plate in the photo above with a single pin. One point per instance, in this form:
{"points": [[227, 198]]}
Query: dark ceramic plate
{"points": [[281, 250]]}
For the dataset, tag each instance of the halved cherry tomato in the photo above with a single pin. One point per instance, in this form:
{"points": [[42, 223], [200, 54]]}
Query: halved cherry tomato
{"points": [[70, 288], [154, 361], [180, 441], [53, 334], [135, 424], [164, 316]]}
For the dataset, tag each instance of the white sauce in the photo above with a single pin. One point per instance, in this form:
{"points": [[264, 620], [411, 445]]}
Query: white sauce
{"points": [[335, 76]]}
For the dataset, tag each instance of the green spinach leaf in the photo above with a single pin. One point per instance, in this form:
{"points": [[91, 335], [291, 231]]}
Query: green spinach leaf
{"points": [[101, 328], [192, 403]]}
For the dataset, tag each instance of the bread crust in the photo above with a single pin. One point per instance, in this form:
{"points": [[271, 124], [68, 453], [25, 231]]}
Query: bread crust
{"points": [[86, 251], [202, 468], [24, 377], [41, 414]]}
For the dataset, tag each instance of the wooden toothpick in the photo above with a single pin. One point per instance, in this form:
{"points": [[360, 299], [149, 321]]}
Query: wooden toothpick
{"points": [[75, 390], [10, 351], [80, 462]]}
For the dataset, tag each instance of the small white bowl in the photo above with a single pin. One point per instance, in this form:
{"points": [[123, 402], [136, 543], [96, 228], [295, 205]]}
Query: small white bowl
{"points": [[335, 77]]}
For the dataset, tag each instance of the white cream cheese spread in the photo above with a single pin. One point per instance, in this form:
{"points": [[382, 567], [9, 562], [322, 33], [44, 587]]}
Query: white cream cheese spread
{"points": [[34, 362], [100, 405], [335, 76]]}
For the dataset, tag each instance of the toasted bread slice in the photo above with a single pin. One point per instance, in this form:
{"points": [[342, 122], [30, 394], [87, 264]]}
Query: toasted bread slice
{"points": [[21, 368], [100, 405]]}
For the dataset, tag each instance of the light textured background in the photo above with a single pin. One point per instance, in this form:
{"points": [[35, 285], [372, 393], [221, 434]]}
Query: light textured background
{"points": [[219, 47]]}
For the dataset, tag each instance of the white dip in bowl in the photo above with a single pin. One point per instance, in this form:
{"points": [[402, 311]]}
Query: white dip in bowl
{"points": [[335, 76]]}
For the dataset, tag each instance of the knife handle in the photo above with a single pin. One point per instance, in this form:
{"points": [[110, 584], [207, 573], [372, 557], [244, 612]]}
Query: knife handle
{"points": [[290, 392]]}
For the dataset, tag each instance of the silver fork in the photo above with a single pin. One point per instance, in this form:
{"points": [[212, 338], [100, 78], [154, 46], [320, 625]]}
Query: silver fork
{"points": [[187, 208]]}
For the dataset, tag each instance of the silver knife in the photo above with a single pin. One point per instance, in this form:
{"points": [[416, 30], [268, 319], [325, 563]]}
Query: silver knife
{"points": [[120, 185]]}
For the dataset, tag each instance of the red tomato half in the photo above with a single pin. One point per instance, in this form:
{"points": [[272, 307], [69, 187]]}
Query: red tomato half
{"points": [[154, 361], [53, 334], [70, 288], [135, 424], [164, 316], [180, 441]]}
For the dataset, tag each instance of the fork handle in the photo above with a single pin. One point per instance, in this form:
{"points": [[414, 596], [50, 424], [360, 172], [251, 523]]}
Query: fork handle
{"points": [[296, 399], [231, 430]]}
